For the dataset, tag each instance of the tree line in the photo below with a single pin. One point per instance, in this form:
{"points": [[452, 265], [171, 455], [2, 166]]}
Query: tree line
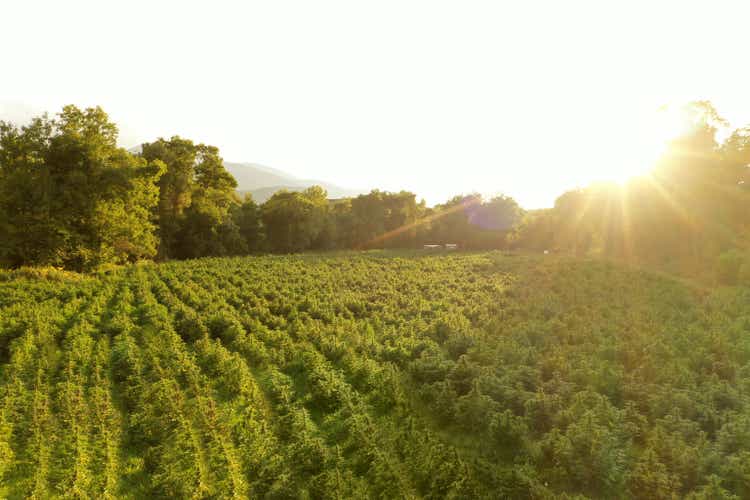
{"points": [[70, 197]]}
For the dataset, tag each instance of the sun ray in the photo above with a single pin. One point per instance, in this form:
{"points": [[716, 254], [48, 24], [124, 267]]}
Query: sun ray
{"points": [[670, 199], [627, 232], [466, 203]]}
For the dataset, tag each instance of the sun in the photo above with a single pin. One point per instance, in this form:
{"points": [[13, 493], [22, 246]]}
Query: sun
{"points": [[648, 143]]}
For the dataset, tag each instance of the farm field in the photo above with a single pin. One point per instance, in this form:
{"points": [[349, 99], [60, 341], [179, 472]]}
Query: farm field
{"points": [[373, 375]]}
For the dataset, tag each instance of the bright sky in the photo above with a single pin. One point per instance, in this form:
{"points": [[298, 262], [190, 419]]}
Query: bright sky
{"points": [[527, 98]]}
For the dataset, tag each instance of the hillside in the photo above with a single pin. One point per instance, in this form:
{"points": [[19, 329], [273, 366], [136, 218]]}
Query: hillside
{"points": [[392, 375], [261, 182]]}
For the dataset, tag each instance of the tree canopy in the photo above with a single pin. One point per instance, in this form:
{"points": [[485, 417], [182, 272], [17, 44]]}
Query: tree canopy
{"points": [[69, 196], [196, 196], [294, 220]]}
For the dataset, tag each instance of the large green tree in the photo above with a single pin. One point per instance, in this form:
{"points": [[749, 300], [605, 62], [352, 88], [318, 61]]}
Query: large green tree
{"points": [[472, 222], [383, 219], [249, 224], [451, 223], [294, 220], [69, 196], [195, 199]]}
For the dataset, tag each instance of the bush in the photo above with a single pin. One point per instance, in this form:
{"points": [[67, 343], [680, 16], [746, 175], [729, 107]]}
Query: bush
{"points": [[189, 326]]}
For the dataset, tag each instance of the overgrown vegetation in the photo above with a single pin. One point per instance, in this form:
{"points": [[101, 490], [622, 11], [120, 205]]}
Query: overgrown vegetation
{"points": [[373, 375]]}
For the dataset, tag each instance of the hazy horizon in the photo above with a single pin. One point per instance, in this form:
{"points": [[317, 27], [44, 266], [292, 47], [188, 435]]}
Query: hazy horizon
{"points": [[440, 99]]}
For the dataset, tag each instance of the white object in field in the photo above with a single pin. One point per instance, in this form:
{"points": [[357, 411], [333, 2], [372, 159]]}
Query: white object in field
{"points": [[451, 246], [546, 252], [432, 247]]}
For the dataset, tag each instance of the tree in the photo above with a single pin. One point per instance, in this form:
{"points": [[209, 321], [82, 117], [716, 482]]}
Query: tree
{"points": [[175, 186], [195, 199], [501, 213], [339, 226], [28, 232], [383, 219], [451, 222], [293, 220], [70, 197], [248, 221], [369, 215], [472, 222], [536, 231]]}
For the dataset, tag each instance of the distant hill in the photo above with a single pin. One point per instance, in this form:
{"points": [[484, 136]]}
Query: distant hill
{"points": [[261, 195], [262, 182], [252, 176]]}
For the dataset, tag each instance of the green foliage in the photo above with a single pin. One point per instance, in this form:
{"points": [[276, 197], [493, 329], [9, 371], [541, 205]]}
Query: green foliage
{"points": [[398, 375], [479, 224], [70, 197], [381, 219], [247, 219], [196, 197], [294, 220]]}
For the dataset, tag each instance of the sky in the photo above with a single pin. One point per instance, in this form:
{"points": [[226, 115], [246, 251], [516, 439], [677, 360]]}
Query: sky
{"points": [[523, 98]]}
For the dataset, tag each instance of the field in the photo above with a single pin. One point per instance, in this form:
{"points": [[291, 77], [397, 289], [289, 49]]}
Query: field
{"points": [[372, 375]]}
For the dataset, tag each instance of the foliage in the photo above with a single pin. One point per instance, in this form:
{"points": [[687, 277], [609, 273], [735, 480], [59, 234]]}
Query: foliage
{"points": [[294, 220], [248, 220], [377, 374], [70, 197], [196, 195]]}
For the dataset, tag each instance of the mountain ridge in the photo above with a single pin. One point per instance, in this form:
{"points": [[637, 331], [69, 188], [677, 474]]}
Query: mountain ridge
{"points": [[262, 182]]}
